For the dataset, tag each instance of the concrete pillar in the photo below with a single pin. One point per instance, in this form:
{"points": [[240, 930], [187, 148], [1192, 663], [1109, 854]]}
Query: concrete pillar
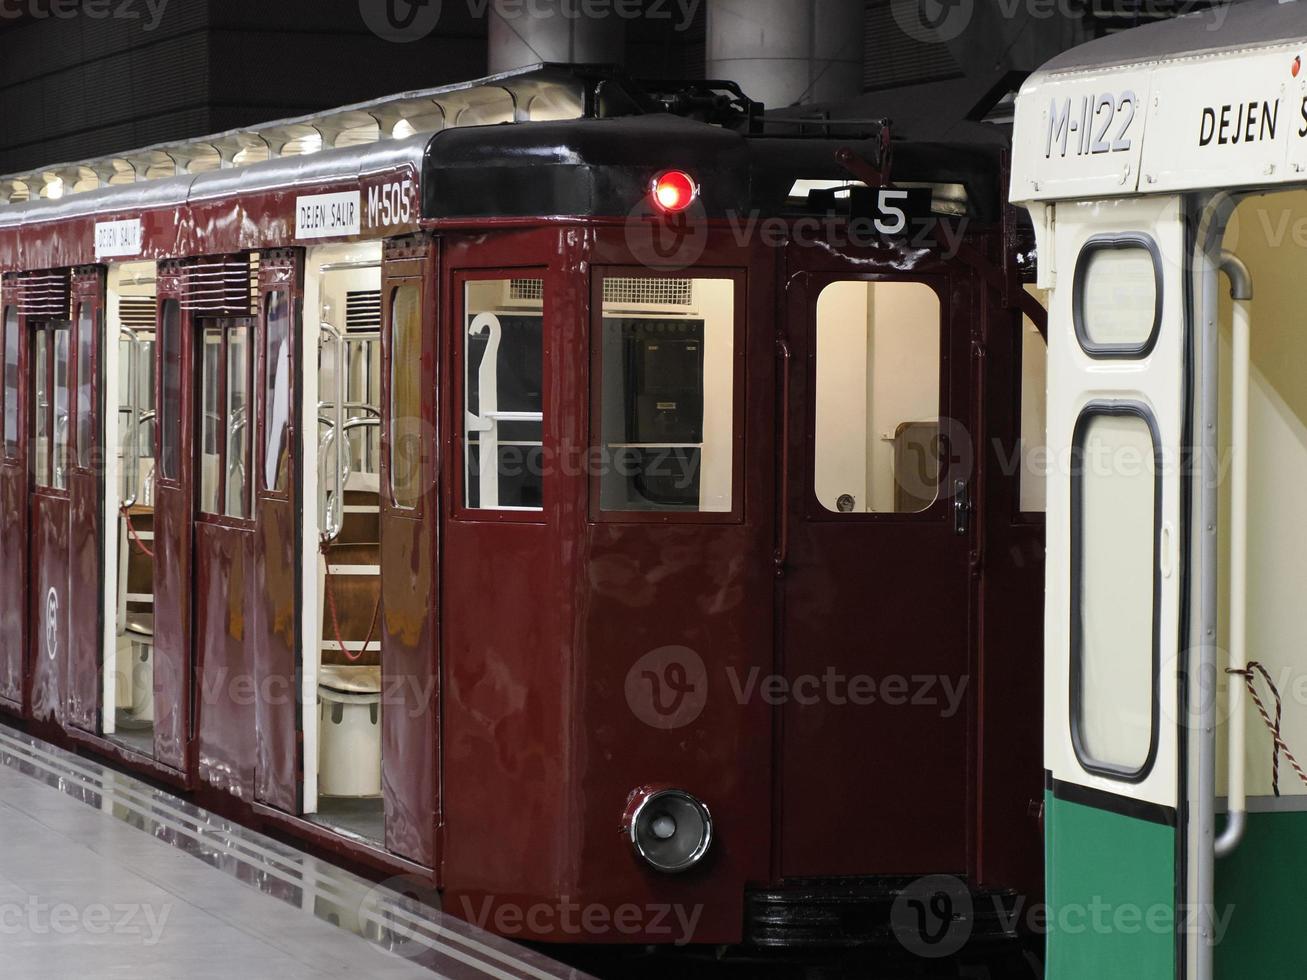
{"points": [[788, 52], [523, 34]]}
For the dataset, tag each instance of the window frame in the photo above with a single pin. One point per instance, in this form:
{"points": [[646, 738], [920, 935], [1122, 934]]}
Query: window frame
{"points": [[1075, 720], [92, 410], [458, 375], [17, 447], [165, 417], [225, 325], [739, 383], [261, 390], [942, 508], [390, 289], [1116, 242]]}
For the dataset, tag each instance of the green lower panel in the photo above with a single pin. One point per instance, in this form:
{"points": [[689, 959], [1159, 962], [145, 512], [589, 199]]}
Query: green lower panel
{"points": [[1111, 895], [1261, 892]]}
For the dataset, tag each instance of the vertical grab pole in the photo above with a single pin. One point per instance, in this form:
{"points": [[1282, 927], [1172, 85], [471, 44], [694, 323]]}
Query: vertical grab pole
{"points": [[1241, 291]]}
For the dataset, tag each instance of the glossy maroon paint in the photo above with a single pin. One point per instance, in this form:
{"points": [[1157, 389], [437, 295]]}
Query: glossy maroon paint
{"points": [[173, 540], [83, 663], [13, 528], [279, 753], [509, 765], [226, 725], [410, 585]]}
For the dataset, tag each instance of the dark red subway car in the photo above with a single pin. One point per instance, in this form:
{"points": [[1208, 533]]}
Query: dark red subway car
{"points": [[599, 502]]}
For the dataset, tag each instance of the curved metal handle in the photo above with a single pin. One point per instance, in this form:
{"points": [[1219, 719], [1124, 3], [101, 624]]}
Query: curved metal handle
{"points": [[782, 552], [1241, 291]]}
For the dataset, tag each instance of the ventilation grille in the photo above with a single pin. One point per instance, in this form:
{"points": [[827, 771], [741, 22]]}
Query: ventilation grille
{"points": [[137, 313], [363, 310], [527, 291], [227, 285], [44, 295], [649, 292]]}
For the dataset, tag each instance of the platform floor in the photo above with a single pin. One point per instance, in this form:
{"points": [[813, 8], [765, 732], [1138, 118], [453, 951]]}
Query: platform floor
{"points": [[103, 876]]}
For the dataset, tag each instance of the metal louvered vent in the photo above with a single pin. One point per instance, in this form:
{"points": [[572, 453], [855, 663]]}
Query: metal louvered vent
{"points": [[363, 310], [226, 285], [649, 292], [137, 313], [44, 295]]}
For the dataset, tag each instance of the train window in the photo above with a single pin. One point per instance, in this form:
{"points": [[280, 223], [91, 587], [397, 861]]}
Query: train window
{"points": [[406, 396], [877, 398], [1118, 296], [277, 393], [62, 418], [667, 395], [223, 454], [11, 382], [1034, 418], [41, 408], [212, 424], [88, 326], [170, 384], [236, 459], [503, 395], [1115, 539]]}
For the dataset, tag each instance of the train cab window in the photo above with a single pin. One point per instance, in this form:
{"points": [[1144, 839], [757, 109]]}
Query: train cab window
{"points": [[170, 390], [1115, 548], [277, 393], [236, 459], [503, 394], [1118, 296], [88, 326], [12, 383], [667, 395], [211, 420], [405, 456], [877, 395]]}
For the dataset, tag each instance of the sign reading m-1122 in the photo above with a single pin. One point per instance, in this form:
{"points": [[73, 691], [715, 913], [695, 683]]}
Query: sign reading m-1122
{"points": [[1090, 125]]}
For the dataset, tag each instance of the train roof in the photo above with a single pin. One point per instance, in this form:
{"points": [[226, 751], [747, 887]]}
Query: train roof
{"points": [[553, 141], [1214, 99]]}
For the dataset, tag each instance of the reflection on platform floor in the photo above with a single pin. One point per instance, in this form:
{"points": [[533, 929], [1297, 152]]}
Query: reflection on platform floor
{"points": [[102, 875]]}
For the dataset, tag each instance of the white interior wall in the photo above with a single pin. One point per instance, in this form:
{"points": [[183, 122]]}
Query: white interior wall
{"points": [[715, 299], [1034, 413], [312, 567], [114, 462], [1277, 454]]}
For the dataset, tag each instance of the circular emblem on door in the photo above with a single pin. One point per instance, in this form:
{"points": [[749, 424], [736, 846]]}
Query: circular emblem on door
{"points": [[52, 622]]}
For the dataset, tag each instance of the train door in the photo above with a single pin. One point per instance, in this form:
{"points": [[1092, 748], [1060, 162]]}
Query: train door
{"points": [[173, 523], [50, 339], [83, 663], [410, 518], [875, 541], [1115, 662], [13, 501], [277, 538]]}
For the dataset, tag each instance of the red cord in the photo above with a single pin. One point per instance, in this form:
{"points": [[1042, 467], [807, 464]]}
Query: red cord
{"points": [[131, 533]]}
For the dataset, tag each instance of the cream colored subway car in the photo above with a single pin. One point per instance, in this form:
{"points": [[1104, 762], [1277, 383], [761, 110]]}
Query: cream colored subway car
{"points": [[1165, 170]]}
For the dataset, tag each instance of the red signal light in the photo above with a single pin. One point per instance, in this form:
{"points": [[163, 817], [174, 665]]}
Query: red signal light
{"points": [[674, 191]]}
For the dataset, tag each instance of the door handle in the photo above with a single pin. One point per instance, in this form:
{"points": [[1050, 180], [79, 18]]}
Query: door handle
{"points": [[961, 508]]}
